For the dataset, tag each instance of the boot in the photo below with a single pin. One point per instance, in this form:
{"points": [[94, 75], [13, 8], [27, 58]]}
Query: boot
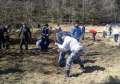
{"points": [[67, 73]]}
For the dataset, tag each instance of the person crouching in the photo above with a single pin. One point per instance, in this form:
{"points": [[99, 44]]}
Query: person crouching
{"points": [[74, 47]]}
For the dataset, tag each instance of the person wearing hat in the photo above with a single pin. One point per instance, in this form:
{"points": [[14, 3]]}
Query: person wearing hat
{"points": [[25, 36], [74, 48]]}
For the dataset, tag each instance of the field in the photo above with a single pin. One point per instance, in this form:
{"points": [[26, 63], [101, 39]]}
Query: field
{"points": [[101, 60]]}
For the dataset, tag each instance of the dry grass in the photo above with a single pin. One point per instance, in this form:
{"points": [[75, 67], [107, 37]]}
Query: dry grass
{"points": [[35, 67]]}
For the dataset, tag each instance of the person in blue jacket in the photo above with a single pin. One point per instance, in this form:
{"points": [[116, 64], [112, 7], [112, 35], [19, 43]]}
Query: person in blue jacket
{"points": [[76, 32]]}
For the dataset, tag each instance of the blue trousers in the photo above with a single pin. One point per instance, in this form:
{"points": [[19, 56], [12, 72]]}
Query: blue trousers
{"points": [[74, 57]]}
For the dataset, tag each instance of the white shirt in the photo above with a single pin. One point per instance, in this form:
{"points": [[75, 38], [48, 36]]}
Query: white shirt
{"points": [[71, 44], [115, 31]]}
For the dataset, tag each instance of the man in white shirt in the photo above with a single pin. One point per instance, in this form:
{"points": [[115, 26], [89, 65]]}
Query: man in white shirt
{"points": [[116, 34], [71, 44]]}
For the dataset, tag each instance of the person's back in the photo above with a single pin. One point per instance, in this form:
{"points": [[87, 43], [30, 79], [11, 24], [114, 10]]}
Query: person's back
{"points": [[76, 32], [115, 31], [71, 44]]}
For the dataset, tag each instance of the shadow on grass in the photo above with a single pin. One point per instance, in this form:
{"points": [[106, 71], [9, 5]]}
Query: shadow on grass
{"points": [[89, 69], [112, 80], [10, 70]]}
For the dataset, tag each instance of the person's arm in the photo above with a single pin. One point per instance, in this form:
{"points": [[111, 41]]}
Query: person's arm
{"points": [[63, 46]]}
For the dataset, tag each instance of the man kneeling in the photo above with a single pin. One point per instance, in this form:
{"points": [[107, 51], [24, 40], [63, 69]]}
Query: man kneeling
{"points": [[75, 48]]}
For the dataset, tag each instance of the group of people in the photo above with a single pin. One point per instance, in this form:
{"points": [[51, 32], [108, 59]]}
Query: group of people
{"points": [[69, 43], [111, 31]]}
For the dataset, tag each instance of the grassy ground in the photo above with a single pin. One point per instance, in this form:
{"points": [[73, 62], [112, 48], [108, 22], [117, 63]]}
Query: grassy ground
{"points": [[35, 67]]}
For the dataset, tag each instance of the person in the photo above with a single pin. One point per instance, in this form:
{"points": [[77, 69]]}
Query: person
{"points": [[74, 48], [2, 38], [105, 32], [58, 31], [76, 32], [94, 32], [116, 34], [110, 30], [44, 43], [7, 37], [83, 31], [25, 36]]}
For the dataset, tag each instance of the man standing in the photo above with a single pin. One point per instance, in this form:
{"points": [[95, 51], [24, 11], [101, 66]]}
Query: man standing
{"points": [[83, 31], [74, 47], [7, 37], [76, 32], [110, 30], [25, 36], [2, 38]]}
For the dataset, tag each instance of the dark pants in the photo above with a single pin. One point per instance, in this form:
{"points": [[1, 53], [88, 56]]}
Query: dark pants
{"points": [[2, 43], [110, 32], [61, 59], [44, 44], [94, 36], [23, 42], [83, 36], [116, 37], [72, 58], [7, 42]]}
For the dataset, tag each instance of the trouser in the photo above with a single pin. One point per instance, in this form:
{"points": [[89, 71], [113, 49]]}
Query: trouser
{"points": [[44, 44], [94, 36], [61, 59], [83, 36], [24, 42], [58, 38], [2, 43], [104, 34], [110, 33], [7, 45], [73, 58], [116, 37]]}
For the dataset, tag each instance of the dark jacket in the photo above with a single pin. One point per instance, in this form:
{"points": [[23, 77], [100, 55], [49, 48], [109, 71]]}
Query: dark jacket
{"points": [[25, 33]]}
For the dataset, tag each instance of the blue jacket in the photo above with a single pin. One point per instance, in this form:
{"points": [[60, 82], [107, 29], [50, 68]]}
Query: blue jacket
{"points": [[76, 32]]}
